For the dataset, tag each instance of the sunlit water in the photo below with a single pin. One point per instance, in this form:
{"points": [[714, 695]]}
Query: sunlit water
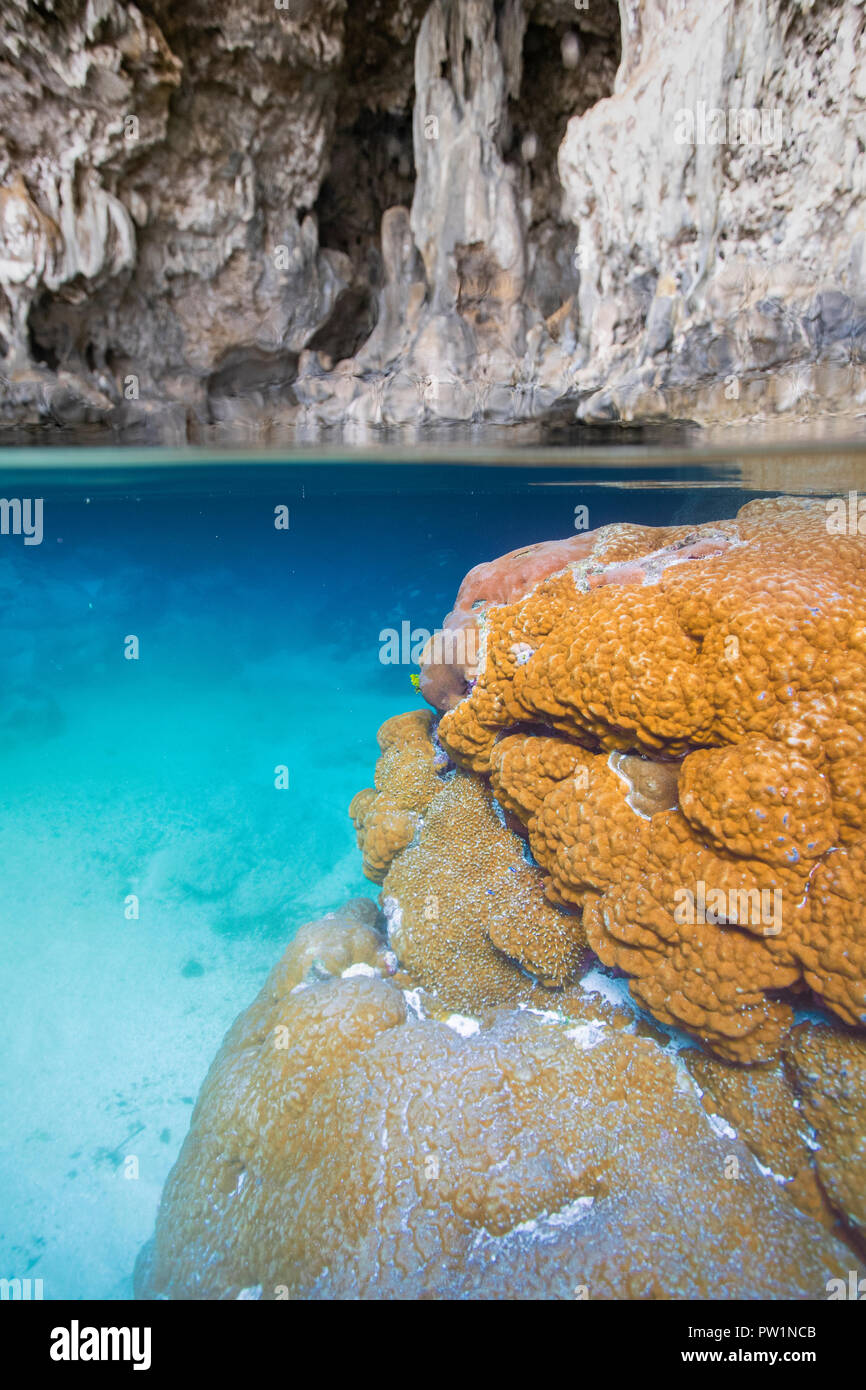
{"points": [[153, 864]]}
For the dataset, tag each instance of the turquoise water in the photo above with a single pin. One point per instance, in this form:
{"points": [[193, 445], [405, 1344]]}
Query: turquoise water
{"points": [[152, 869]]}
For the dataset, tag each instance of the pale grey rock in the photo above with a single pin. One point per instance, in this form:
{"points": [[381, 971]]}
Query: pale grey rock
{"points": [[465, 215], [324, 218], [744, 243]]}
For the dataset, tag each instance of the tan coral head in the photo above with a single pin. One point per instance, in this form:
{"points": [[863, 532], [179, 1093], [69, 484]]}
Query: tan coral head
{"points": [[676, 720]]}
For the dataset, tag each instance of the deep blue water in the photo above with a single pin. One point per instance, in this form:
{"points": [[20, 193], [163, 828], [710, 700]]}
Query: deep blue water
{"points": [[148, 785]]}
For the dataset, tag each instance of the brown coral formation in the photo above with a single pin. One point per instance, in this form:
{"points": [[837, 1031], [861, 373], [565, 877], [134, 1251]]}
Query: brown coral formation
{"points": [[387, 816], [804, 1118], [660, 755], [760, 1107], [467, 911], [829, 1074], [343, 1147], [676, 716]]}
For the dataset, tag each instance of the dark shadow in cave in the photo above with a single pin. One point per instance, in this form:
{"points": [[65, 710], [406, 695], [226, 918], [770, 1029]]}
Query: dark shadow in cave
{"points": [[570, 60], [371, 169]]}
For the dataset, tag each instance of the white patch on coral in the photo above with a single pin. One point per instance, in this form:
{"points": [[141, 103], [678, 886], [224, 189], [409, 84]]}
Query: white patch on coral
{"points": [[250, 1295], [616, 992], [393, 915], [720, 1126], [595, 981], [521, 651], [685, 1083], [768, 1172], [463, 1025], [359, 968], [546, 1226], [547, 1015], [573, 1212], [413, 999], [587, 1035], [613, 763]]}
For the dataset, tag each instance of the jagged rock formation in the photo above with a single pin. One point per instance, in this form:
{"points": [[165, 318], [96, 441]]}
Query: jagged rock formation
{"points": [[719, 200], [306, 217]]}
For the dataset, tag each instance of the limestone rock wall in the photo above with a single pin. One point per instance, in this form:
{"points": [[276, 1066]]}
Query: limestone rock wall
{"points": [[718, 196], [320, 216]]}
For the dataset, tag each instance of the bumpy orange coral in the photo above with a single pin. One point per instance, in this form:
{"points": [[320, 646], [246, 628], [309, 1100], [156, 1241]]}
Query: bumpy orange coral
{"points": [[343, 1147], [678, 719]]}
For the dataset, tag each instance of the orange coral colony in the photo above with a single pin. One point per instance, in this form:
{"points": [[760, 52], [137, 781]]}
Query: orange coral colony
{"points": [[654, 751], [675, 718]]}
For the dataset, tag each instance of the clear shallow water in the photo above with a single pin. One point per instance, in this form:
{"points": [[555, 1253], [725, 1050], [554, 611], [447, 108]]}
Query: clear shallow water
{"points": [[258, 648]]}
